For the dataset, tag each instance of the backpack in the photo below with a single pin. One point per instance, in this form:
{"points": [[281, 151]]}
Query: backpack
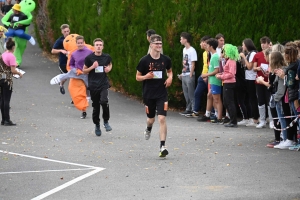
{"points": [[5, 73]]}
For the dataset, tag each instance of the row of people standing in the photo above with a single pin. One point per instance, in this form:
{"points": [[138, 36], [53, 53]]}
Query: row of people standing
{"points": [[240, 71]]}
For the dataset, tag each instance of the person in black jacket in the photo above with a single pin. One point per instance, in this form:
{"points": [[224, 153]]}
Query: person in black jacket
{"points": [[6, 7], [290, 56]]}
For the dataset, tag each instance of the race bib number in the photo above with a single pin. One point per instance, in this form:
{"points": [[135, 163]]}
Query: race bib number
{"points": [[264, 67], [15, 18], [99, 69], [157, 74]]}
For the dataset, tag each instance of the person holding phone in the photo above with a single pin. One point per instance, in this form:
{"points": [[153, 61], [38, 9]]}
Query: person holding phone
{"points": [[7, 60]]}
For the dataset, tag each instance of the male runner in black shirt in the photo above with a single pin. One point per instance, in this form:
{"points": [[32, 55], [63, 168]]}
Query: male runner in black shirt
{"points": [[96, 65], [152, 70]]}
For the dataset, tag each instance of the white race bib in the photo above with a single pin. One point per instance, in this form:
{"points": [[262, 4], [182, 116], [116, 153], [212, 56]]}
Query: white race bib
{"points": [[157, 74], [264, 67], [15, 19], [99, 69]]}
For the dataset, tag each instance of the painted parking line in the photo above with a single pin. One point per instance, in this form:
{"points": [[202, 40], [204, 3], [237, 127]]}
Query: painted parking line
{"points": [[46, 159], [40, 171], [63, 186], [67, 184]]}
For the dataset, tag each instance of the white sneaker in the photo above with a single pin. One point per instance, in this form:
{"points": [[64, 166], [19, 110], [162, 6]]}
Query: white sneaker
{"points": [[271, 124], [262, 124], [163, 151], [279, 145], [243, 122], [55, 80], [147, 134], [251, 123], [284, 145], [32, 41]]}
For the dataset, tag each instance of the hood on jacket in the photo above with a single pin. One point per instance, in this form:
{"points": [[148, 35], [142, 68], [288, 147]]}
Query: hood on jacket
{"points": [[292, 66]]}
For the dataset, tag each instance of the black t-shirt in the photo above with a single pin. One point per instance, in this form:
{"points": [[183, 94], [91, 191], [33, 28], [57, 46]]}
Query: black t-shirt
{"points": [[6, 8], [97, 77], [154, 88], [16, 18], [240, 77], [59, 44]]}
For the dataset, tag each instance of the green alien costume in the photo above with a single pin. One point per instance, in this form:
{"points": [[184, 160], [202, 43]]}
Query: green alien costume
{"points": [[27, 6]]}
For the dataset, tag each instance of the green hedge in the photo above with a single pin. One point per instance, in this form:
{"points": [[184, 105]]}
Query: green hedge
{"points": [[122, 25]]}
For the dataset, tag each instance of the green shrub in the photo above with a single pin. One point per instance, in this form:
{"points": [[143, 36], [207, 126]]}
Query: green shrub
{"points": [[122, 25]]}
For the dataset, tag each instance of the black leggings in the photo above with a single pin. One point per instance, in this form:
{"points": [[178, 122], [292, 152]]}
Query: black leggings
{"points": [[228, 101], [276, 124], [252, 99], [5, 97], [243, 102], [263, 95], [292, 131]]}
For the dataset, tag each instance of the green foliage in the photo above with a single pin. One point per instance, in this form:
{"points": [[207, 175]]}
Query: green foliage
{"points": [[122, 25]]}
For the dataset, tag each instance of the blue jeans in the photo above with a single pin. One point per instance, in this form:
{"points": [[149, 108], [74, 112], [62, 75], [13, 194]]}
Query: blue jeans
{"points": [[19, 33], [294, 111], [282, 121], [201, 87]]}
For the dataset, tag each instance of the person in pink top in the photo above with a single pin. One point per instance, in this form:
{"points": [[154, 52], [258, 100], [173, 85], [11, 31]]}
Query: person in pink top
{"points": [[230, 53], [7, 68]]}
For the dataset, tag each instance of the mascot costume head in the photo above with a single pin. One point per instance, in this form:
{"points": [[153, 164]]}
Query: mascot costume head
{"points": [[77, 88]]}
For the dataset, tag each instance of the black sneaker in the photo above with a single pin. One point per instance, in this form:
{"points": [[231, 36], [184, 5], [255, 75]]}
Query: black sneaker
{"points": [[220, 121], [9, 123], [226, 120], [107, 127], [214, 120], [62, 89], [97, 130], [186, 112], [231, 125], [203, 119], [83, 115], [193, 114]]}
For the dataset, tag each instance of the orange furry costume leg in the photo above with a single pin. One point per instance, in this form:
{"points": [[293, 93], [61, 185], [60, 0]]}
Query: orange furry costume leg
{"points": [[77, 91]]}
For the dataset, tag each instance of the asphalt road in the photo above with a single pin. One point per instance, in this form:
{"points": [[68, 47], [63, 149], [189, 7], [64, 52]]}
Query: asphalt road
{"points": [[53, 154]]}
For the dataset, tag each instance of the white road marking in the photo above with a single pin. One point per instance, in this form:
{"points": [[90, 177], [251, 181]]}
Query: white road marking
{"points": [[67, 184], [46, 159], [38, 171], [63, 186]]}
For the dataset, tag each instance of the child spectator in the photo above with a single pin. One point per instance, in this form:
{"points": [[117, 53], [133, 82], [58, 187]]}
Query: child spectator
{"points": [[215, 84], [228, 78]]}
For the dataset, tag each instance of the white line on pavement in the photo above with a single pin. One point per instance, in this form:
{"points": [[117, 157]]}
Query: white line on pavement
{"points": [[38, 171], [46, 159], [63, 186], [67, 184]]}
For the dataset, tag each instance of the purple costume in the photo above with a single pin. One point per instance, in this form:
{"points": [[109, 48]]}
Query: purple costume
{"points": [[78, 57]]}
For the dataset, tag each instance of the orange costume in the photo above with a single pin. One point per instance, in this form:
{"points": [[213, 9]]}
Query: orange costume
{"points": [[77, 87]]}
